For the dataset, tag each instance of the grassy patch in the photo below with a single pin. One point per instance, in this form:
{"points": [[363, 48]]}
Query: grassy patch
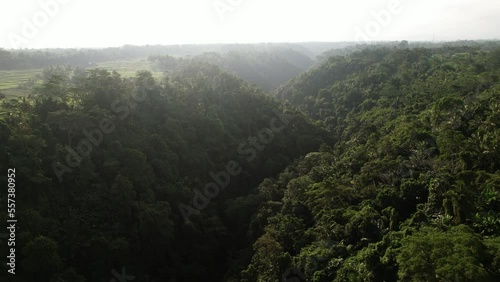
{"points": [[11, 79], [129, 68], [16, 92]]}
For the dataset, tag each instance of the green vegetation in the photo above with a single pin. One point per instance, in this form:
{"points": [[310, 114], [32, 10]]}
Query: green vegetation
{"points": [[11, 80], [267, 66], [16, 83], [386, 168], [129, 68], [410, 190], [137, 175]]}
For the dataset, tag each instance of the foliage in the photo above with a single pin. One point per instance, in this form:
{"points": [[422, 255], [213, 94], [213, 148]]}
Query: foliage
{"points": [[386, 169]]}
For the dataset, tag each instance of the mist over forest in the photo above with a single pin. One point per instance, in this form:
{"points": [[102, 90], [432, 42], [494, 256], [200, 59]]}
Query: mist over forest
{"points": [[266, 162], [366, 157]]}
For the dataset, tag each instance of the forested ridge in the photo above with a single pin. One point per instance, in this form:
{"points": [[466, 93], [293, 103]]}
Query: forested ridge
{"points": [[267, 69], [118, 206], [83, 57], [379, 164], [410, 190]]}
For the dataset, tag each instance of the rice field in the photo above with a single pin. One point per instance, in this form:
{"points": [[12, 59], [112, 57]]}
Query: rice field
{"points": [[10, 80], [129, 68]]}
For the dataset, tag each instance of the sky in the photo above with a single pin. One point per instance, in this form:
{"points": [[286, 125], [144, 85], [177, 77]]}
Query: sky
{"points": [[111, 23]]}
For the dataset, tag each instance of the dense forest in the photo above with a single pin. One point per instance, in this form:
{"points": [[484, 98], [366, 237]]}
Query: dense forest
{"points": [[372, 163], [83, 57], [266, 69]]}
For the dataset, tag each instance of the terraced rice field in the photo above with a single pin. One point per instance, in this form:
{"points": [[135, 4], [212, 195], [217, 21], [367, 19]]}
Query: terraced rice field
{"points": [[10, 80], [129, 68]]}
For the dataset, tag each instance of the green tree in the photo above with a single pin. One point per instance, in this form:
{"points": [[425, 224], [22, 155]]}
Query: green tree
{"points": [[41, 258], [432, 255]]}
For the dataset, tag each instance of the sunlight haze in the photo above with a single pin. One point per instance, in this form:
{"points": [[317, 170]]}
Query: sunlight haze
{"points": [[108, 23]]}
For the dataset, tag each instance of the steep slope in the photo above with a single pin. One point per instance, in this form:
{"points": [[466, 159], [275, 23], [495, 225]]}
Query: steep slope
{"points": [[410, 192], [267, 69], [142, 174]]}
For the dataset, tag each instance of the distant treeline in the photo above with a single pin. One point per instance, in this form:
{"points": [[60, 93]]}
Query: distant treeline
{"points": [[43, 58], [268, 70], [378, 165]]}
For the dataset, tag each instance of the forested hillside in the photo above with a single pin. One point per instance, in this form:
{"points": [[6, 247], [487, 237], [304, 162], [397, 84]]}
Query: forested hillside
{"points": [[266, 69], [266, 65], [379, 164], [36, 58], [410, 192], [108, 170]]}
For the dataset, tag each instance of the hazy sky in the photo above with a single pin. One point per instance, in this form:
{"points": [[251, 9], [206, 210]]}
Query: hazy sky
{"points": [[102, 23]]}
